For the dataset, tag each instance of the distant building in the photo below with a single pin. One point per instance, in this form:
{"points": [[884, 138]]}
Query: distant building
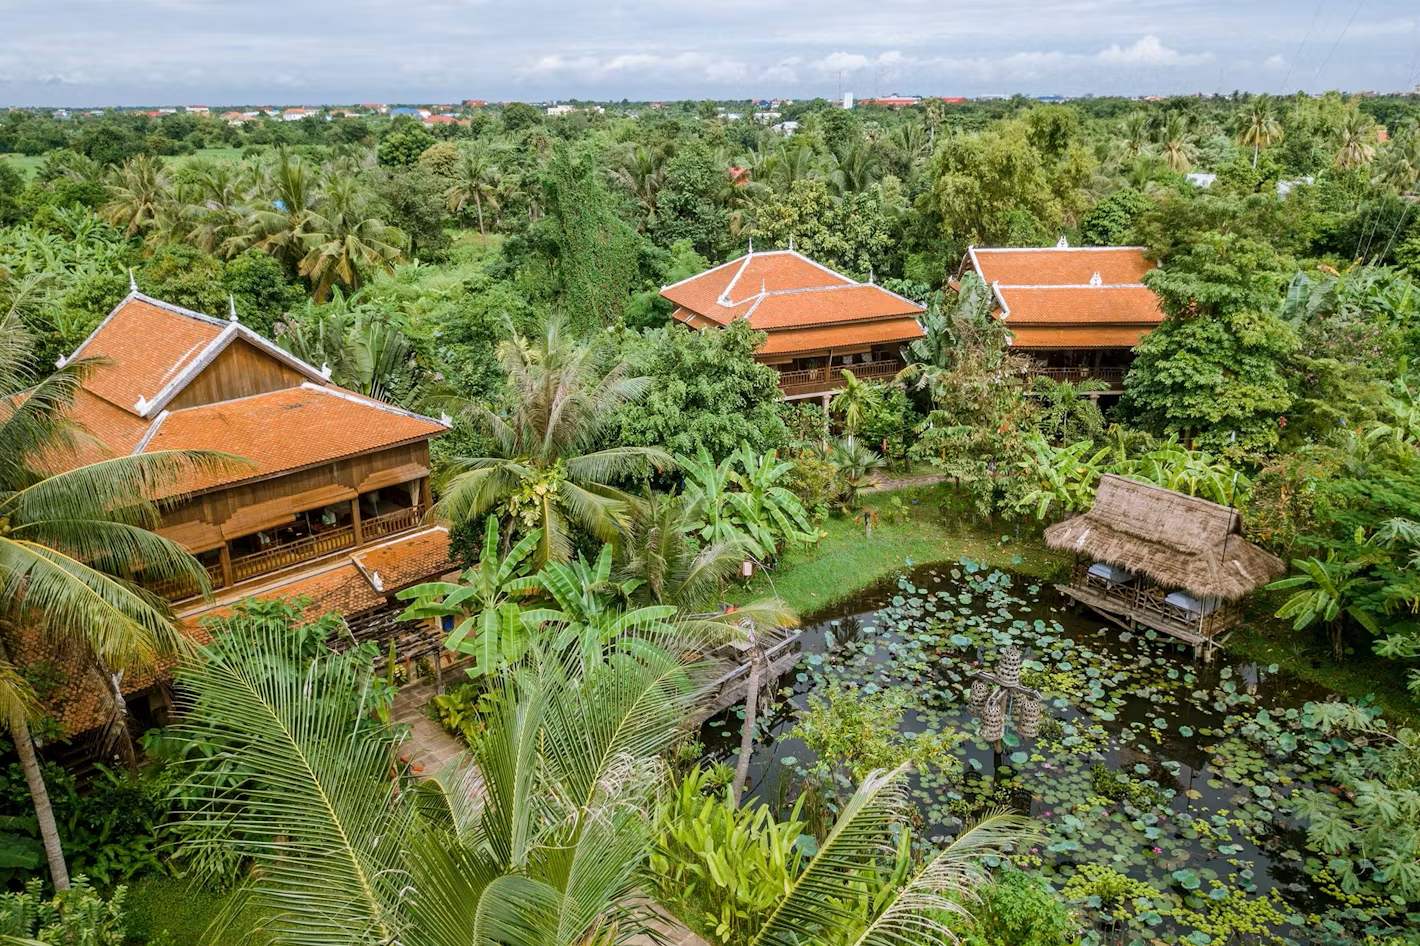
{"points": [[1203, 179], [786, 128], [848, 100], [197, 109], [1077, 311], [767, 117], [893, 101], [295, 114], [1286, 187], [474, 103], [557, 111]]}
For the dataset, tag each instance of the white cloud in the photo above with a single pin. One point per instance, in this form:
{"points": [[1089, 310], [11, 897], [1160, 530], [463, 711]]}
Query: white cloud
{"points": [[1275, 61], [1149, 51]]}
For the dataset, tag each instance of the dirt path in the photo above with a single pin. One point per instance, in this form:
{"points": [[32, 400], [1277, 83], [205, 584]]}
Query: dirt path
{"points": [[891, 484]]}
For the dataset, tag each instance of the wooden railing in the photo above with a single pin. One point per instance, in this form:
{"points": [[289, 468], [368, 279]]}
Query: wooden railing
{"points": [[823, 380], [292, 553], [1113, 377], [391, 522], [1145, 602], [175, 590]]}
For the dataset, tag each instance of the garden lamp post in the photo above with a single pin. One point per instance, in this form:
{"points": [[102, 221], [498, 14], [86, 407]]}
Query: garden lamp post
{"points": [[995, 697]]}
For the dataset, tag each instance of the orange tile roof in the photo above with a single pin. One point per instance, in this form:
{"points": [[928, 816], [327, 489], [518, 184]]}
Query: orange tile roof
{"points": [[409, 560], [1088, 297], [287, 429], [1066, 305], [783, 290], [153, 349], [146, 345], [798, 309], [340, 585], [1060, 266], [1108, 336], [833, 336]]}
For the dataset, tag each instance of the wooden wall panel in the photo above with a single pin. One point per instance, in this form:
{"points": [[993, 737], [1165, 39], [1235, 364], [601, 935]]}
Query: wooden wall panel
{"points": [[240, 371], [219, 506]]}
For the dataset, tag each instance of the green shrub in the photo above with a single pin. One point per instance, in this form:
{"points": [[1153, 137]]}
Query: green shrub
{"points": [[718, 867], [1018, 909], [76, 917]]}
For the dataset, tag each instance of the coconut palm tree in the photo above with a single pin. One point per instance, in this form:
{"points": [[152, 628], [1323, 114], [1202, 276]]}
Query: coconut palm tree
{"points": [[286, 194], [344, 241], [640, 170], [137, 193], [541, 841], [1175, 142], [1257, 126], [1355, 140], [73, 546], [855, 401], [216, 200], [1135, 130], [545, 470], [1400, 166], [476, 180], [668, 566], [855, 169]]}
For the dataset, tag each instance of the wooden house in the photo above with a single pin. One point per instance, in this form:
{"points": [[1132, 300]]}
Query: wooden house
{"points": [[330, 505], [1076, 311], [817, 322], [1146, 556]]}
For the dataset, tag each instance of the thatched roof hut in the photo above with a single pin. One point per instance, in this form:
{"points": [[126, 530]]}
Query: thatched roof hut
{"points": [[1178, 541]]}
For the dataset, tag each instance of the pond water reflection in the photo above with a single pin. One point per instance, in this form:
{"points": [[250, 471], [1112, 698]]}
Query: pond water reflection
{"points": [[1170, 772]]}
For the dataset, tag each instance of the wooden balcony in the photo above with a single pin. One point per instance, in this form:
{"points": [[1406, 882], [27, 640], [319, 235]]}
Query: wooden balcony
{"points": [[827, 380], [274, 558], [1112, 377]]}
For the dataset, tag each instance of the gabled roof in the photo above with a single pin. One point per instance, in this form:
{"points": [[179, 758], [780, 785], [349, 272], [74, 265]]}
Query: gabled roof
{"points": [[1178, 541], [285, 430], [782, 291], [1070, 297], [152, 350], [791, 289]]}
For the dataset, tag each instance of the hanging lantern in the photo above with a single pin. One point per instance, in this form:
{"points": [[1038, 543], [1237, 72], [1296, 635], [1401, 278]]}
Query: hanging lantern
{"points": [[976, 699], [1027, 713], [1008, 666]]}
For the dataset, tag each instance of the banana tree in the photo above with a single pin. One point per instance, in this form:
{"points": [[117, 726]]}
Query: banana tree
{"points": [[487, 604], [1326, 591]]}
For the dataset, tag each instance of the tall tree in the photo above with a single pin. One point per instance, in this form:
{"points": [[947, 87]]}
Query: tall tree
{"points": [[344, 240], [475, 178], [137, 191], [1216, 371], [1257, 126], [546, 471]]}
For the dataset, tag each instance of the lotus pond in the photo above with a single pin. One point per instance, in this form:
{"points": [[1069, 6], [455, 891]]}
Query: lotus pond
{"points": [[1162, 784]]}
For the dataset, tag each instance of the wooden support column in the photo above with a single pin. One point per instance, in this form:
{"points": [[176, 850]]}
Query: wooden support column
{"points": [[355, 521], [226, 565], [426, 496]]}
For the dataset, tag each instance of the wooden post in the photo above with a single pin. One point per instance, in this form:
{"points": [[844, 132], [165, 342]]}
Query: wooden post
{"points": [[426, 498], [226, 566], [355, 521]]}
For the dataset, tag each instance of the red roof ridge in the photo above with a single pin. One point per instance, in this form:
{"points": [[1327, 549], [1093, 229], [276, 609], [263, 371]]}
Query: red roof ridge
{"points": [[335, 390]]}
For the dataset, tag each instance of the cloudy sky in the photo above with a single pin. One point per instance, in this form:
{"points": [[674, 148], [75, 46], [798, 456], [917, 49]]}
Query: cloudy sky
{"points": [[100, 52]]}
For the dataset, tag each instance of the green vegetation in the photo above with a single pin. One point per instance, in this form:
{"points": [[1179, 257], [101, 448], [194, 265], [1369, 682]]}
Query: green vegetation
{"points": [[609, 473]]}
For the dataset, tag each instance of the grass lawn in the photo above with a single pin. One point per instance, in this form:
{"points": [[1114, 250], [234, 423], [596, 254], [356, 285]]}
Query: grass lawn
{"points": [[916, 526], [168, 905], [29, 163]]}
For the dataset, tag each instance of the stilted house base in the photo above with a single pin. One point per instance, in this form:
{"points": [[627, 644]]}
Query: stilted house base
{"points": [[1150, 557]]}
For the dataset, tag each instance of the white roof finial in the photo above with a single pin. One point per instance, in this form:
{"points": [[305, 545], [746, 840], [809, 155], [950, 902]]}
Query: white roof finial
{"points": [[325, 370], [232, 307], [1062, 243], [1095, 280], [791, 243], [871, 280], [132, 281], [762, 289]]}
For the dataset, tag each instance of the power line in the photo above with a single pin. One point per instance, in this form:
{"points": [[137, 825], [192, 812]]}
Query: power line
{"points": [[1339, 37]]}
